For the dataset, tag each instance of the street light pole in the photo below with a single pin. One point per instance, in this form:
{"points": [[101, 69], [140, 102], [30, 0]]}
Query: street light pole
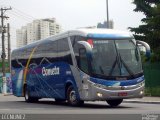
{"points": [[107, 11]]}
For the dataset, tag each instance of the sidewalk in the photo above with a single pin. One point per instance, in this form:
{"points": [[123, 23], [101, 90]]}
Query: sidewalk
{"points": [[149, 100]]}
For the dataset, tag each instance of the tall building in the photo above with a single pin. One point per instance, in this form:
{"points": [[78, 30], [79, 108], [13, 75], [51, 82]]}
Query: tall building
{"points": [[38, 29], [106, 25], [21, 36], [48, 27], [33, 31]]}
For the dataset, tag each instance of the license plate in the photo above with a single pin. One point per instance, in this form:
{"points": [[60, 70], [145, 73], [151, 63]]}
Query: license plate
{"points": [[122, 94]]}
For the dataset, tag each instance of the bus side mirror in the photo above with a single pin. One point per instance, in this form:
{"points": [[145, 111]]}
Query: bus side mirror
{"points": [[144, 47], [87, 47], [83, 61], [82, 51]]}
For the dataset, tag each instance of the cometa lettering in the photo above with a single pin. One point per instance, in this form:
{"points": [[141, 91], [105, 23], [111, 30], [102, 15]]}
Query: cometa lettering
{"points": [[50, 71]]}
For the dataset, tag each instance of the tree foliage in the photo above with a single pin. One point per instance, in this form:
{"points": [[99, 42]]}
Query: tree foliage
{"points": [[149, 30]]}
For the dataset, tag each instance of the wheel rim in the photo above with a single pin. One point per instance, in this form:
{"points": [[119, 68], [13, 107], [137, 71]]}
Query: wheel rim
{"points": [[72, 96]]}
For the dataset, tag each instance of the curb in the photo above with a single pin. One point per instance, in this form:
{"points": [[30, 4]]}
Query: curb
{"points": [[8, 94], [145, 102]]}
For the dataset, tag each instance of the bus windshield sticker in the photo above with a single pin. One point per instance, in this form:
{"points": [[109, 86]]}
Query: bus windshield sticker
{"points": [[90, 41], [101, 42]]}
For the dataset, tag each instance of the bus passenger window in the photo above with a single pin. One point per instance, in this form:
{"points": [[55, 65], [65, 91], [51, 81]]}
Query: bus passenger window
{"points": [[83, 63]]}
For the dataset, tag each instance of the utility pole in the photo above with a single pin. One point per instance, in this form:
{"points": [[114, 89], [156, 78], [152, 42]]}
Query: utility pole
{"points": [[9, 47], [3, 10], [107, 11]]}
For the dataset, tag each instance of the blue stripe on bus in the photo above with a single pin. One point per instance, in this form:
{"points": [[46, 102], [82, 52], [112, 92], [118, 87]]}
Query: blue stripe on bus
{"points": [[117, 82], [110, 36]]}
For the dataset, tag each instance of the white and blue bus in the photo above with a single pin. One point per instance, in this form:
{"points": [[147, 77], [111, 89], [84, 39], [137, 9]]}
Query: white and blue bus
{"points": [[80, 65]]}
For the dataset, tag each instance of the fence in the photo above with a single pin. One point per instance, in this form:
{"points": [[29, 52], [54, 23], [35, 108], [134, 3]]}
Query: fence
{"points": [[152, 77]]}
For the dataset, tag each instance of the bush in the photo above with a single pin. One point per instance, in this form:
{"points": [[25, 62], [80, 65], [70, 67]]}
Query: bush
{"points": [[155, 57]]}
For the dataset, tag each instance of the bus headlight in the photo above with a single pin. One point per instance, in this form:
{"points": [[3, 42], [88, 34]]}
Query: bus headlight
{"points": [[99, 94], [141, 92]]}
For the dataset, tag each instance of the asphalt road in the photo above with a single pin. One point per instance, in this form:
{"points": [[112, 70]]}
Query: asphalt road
{"points": [[15, 105]]}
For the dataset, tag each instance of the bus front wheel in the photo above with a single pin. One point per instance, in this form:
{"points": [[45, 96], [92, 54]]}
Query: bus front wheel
{"points": [[72, 97], [27, 97], [114, 103]]}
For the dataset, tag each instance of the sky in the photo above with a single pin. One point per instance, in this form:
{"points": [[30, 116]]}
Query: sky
{"points": [[71, 14]]}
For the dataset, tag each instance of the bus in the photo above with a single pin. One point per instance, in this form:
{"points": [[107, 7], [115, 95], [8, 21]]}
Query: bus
{"points": [[80, 65]]}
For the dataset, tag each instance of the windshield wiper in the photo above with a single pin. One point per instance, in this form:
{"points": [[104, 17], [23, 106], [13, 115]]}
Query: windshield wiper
{"points": [[113, 66], [120, 61], [125, 65], [101, 69]]}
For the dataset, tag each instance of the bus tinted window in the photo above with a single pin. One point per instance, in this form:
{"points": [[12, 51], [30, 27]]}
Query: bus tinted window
{"points": [[46, 53], [64, 53]]}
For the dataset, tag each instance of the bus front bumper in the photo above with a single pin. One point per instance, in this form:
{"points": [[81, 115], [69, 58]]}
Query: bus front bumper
{"points": [[92, 92]]}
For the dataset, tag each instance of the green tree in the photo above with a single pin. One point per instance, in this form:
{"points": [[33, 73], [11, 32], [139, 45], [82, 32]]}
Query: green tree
{"points": [[149, 30]]}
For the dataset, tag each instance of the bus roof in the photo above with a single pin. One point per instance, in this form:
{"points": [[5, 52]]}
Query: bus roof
{"points": [[85, 32], [101, 33]]}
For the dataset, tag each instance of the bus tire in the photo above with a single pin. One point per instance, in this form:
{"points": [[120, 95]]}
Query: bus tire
{"points": [[72, 97], [114, 103], [27, 96]]}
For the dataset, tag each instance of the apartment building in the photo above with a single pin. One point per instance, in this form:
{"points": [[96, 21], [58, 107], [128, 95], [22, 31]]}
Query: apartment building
{"points": [[21, 36], [109, 25], [38, 29]]}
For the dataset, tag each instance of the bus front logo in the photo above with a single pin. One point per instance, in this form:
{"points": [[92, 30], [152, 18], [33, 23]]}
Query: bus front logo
{"points": [[50, 71]]}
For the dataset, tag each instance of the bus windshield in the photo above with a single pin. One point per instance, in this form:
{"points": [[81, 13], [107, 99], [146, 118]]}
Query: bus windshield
{"points": [[115, 58]]}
